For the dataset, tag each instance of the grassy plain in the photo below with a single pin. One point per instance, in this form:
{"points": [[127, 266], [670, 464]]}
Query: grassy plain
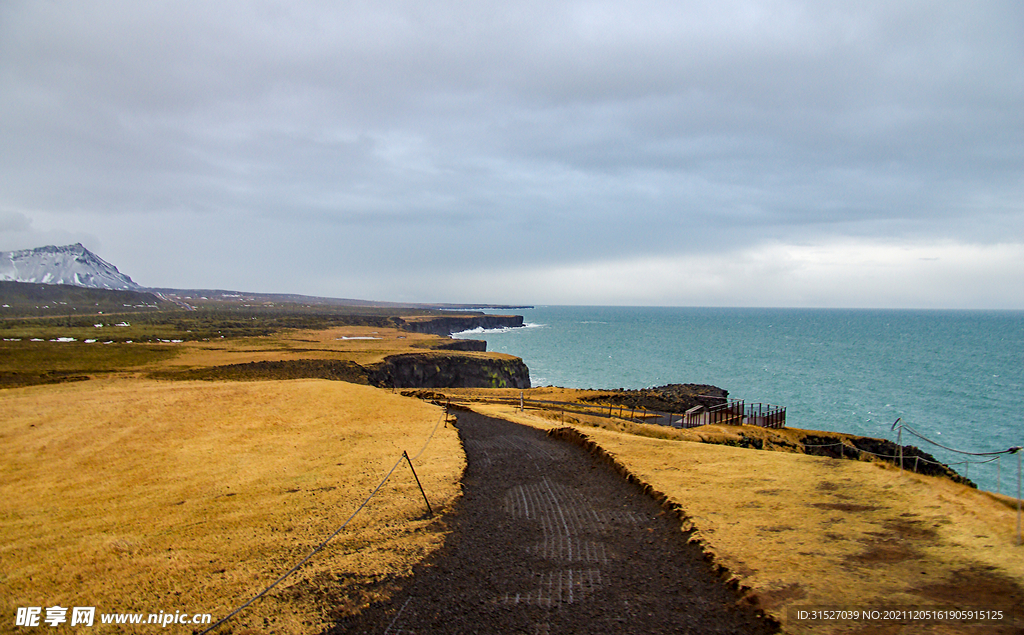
{"points": [[807, 531], [360, 344], [36, 357], [143, 496]]}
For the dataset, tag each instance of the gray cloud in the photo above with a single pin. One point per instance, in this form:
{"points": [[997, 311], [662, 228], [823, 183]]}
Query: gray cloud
{"points": [[389, 146]]}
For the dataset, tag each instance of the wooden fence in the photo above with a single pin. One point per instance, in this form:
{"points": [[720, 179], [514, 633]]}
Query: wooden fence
{"points": [[737, 412]]}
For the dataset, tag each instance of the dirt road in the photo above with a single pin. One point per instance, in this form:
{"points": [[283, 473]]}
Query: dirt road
{"points": [[549, 540]]}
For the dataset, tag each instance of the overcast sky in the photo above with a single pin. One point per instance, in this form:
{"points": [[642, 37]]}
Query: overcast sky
{"points": [[771, 153]]}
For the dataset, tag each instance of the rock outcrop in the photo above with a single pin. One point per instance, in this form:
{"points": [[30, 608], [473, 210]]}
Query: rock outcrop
{"points": [[466, 370], [668, 398], [478, 346], [446, 325], [456, 369]]}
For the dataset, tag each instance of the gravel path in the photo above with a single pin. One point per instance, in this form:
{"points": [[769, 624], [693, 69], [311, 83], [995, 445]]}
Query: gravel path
{"points": [[548, 539]]}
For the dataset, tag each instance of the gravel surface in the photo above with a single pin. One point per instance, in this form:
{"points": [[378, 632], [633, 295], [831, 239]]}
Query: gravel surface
{"points": [[547, 539]]}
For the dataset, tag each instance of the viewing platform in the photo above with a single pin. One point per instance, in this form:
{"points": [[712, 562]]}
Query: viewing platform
{"points": [[735, 412]]}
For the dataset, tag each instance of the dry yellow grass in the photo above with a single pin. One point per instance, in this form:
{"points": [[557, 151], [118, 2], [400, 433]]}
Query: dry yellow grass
{"points": [[803, 530], [342, 343], [142, 496]]}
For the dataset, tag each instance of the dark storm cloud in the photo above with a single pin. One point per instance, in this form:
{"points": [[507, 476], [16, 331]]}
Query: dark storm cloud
{"points": [[428, 138]]}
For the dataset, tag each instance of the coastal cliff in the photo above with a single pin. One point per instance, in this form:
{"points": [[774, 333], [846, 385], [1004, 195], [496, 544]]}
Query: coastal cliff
{"points": [[440, 369], [449, 324], [437, 370], [403, 362]]}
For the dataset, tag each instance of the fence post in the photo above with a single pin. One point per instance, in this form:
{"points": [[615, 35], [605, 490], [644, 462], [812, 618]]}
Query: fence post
{"points": [[899, 441], [521, 408], [1016, 451], [409, 461]]}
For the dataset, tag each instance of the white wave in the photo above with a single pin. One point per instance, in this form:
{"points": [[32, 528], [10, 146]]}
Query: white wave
{"points": [[505, 329]]}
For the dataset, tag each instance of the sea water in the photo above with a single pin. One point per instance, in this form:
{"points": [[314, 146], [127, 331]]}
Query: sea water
{"points": [[955, 377]]}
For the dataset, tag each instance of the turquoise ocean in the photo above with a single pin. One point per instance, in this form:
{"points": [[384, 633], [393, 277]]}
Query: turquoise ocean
{"points": [[956, 377]]}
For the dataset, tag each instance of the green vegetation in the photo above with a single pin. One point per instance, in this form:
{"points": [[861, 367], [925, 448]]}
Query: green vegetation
{"points": [[27, 363]]}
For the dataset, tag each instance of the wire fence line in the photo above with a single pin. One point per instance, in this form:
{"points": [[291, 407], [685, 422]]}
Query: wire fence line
{"points": [[895, 458], [320, 547], [900, 426], [996, 456]]}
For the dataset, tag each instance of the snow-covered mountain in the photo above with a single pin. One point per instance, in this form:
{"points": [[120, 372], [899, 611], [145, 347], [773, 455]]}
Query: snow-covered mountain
{"points": [[70, 264]]}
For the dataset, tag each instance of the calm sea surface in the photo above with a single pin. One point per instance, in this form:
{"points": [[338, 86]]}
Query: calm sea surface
{"points": [[955, 376]]}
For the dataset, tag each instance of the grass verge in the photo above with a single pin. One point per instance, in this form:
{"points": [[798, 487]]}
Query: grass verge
{"points": [[146, 496]]}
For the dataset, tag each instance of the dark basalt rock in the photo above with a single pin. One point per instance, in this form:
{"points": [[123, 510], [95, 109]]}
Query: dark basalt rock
{"points": [[425, 370], [459, 345], [408, 370], [668, 398], [457, 323]]}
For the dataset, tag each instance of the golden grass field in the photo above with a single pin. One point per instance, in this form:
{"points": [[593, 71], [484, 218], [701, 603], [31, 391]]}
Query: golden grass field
{"points": [[797, 530], [140, 496], [304, 344]]}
